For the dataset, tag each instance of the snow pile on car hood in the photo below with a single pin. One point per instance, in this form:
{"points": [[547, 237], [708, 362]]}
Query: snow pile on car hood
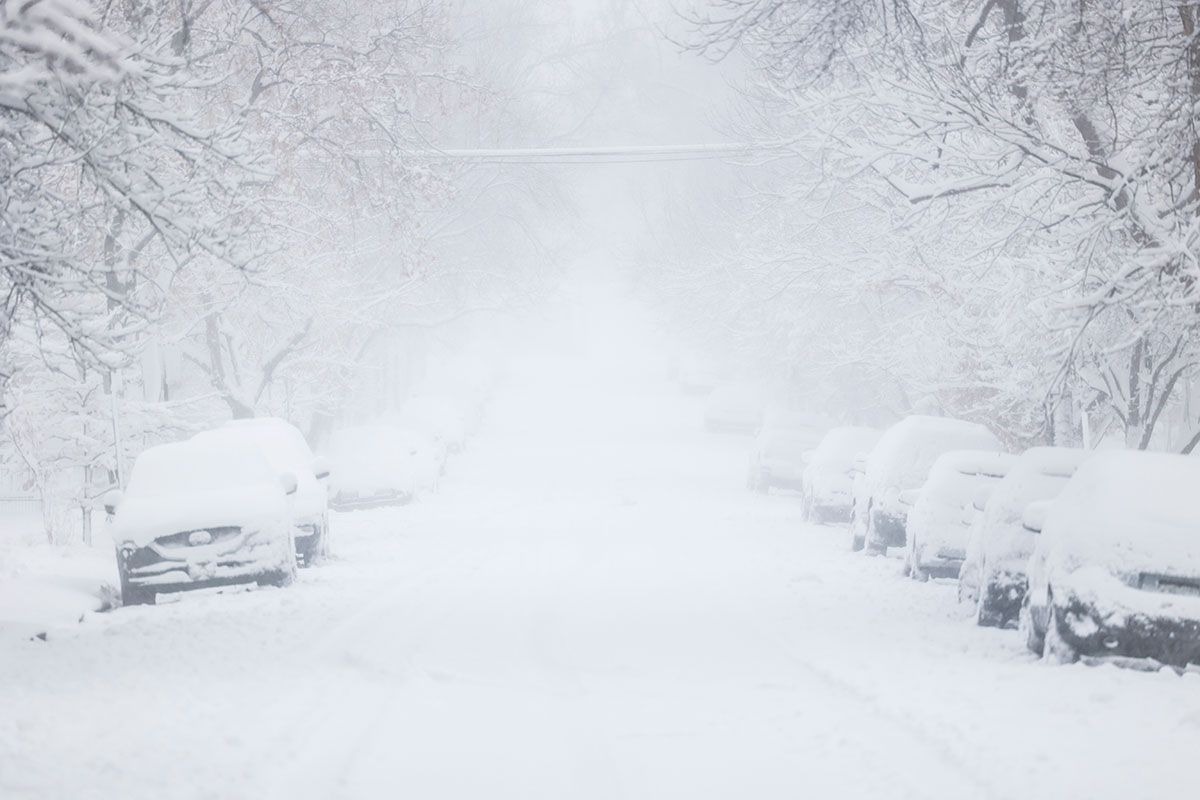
{"points": [[942, 511], [1129, 512], [1039, 474], [192, 485]]}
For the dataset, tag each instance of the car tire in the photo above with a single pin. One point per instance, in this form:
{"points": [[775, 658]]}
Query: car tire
{"points": [[1034, 641], [985, 617], [1055, 648], [871, 547], [912, 568], [315, 548], [856, 541]]}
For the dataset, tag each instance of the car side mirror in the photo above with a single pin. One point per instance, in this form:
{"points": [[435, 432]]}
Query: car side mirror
{"points": [[112, 499], [1034, 516], [909, 497], [320, 467], [981, 497], [289, 483]]}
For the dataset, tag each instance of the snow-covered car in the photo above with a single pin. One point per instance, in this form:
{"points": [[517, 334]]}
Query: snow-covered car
{"points": [[372, 465], [780, 452], [901, 461], [285, 449], [994, 577], [734, 409], [428, 459], [939, 521], [444, 417], [1115, 572], [827, 482], [201, 514]]}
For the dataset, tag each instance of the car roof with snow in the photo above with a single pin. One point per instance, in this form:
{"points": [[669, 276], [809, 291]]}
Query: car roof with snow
{"points": [[958, 474], [908, 449], [840, 446], [1039, 473], [1128, 510], [279, 441]]}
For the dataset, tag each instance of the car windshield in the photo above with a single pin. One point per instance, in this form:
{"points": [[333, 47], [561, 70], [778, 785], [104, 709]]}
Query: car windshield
{"points": [[188, 468], [283, 446], [789, 445]]}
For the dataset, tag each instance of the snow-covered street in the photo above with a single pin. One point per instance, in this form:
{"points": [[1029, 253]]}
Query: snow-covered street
{"points": [[593, 606]]}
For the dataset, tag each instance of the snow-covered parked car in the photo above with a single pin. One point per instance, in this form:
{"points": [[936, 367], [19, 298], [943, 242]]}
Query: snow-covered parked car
{"points": [[901, 461], [372, 465], [284, 447], [201, 514], [994, 576], [427, 458], [1115, 572], [732, 408], [828, 480], [939, 521], [780, 451]]}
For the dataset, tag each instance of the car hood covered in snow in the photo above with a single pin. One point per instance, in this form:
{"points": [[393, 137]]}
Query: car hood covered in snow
{"points": [[141, 520], [1129, 512]]}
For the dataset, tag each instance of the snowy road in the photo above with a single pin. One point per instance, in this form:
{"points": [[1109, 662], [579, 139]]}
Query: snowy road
{"points": [[593, 607]]}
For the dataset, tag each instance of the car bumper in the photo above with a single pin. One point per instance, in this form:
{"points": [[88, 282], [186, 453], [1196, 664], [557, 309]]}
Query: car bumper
{"points": [[1100, 633], [941, 563], [352, 501], [240, 560]]}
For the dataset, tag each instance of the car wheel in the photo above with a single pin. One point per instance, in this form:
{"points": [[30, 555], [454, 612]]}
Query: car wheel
{"points": [[872, 547], [985, 615], [912, 567], [1055, 648], [313, 550], [856, 541], [1034, 641]]}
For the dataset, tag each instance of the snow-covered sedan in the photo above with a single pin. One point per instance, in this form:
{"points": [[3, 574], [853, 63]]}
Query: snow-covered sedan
{"points": [[1115, 572], [828, 479], [285, 449], [372, 465], [200, 514], [734, 409], [901, 461], [994, 575], [941, 515], [780, 452]]}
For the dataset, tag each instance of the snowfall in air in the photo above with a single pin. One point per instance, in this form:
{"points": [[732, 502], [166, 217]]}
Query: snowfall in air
{"points": [[599, 399]]}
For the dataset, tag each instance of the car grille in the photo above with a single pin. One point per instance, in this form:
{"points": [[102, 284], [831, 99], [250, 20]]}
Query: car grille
{"points": [[1169, 584], [185, 539]]}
